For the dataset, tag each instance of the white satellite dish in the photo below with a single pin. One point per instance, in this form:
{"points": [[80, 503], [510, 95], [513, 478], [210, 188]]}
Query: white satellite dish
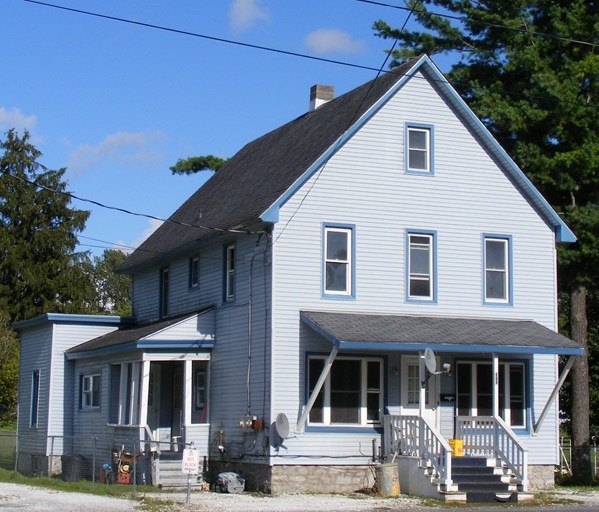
{"points": [[282, 425], [430, 361]]}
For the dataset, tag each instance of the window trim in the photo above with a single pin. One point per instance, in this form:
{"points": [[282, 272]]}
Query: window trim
{"points": [[34, 409], [350, 280], [422, 128], [509, 274], [364, 391], [230, 271], [194, 272], [432, 235], [164, 292], [92, 393]]}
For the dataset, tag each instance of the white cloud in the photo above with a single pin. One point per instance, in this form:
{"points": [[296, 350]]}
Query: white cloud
{"points": [[139, 148], [333, 41], [243, 14], [153, 225], [14, 118]]}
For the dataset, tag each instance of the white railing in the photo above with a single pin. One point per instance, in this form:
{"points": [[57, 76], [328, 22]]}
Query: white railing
{"points": [[414, 436], [492, 437]]}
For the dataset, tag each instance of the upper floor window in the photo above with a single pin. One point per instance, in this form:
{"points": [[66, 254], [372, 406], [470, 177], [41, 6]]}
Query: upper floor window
{"points": [[352, 393], [421, 266], [497, 270], [90, 391], [419, 157], [164, 291], [338, 261], [194, 272], [230, 272]]}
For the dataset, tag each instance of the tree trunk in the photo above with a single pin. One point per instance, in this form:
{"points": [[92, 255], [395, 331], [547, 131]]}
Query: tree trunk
{"points": [[581, 457]]}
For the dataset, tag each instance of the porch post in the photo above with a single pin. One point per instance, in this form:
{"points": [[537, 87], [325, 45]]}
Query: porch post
{"points": [[421, 404], [145, 389], [133, 410], [187, 377], [495, 386]]}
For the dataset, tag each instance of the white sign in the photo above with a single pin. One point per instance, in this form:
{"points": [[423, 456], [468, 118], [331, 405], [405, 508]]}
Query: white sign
{"points": [[191, 461]]}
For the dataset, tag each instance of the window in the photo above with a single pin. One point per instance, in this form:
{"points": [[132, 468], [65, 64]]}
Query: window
{"points": [[230, 272], [497, 270], [352, 393], [418, 149], [35, 398], [125, 393], [338, 264], [194, 272], [475, 391], [164, 287], [421, 266], [90, 391]]}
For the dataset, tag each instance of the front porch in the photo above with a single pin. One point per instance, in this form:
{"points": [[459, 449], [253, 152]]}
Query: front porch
{"points": [[426, 458]]}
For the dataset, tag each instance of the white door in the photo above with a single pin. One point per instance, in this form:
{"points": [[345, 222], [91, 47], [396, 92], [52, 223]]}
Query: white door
{"points": [[410, 391]]}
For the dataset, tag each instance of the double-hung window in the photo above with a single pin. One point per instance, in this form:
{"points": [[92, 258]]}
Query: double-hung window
{"points": [[352, 393], [421, 266], [338, 261], [90, 391], [35, 399], [419, 155], [164, 289], [194, 272], [230, 272], [497, 273]]}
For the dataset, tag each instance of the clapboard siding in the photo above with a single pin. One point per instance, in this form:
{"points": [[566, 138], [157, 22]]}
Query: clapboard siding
{"points": [[364, 185]]}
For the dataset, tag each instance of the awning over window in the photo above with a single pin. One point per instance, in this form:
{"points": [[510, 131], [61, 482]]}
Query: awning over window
{"points": [[400, 333]]}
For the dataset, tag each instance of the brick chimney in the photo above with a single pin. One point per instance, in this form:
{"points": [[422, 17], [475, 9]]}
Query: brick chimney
{"points": [[320, 94]]}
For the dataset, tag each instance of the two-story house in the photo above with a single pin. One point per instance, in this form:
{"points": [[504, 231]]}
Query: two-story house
{"points": [[367, 282]]}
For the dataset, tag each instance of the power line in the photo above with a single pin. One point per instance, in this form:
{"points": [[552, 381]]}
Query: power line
{"points": [[465, 19], [128, 212], [203, 36]]}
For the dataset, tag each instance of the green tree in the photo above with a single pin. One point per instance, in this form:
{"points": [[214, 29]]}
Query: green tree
{"points": [[195, 164], [530, 71], [9, 373], [38, 235], [113, 290]]}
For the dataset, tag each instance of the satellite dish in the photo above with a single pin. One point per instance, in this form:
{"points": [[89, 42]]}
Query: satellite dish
{"points": [[430, 361], [282, 425]]}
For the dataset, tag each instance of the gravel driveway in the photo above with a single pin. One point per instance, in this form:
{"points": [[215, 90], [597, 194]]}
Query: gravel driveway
{"points": [[15, 497]]}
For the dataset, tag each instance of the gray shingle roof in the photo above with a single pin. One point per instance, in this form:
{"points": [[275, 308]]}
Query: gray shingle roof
{"points": [[402, 332], [261, 172], [130, 334]]}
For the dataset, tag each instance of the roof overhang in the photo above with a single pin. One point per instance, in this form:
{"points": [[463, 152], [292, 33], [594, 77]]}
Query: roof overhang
{"points": [[406, 333]]}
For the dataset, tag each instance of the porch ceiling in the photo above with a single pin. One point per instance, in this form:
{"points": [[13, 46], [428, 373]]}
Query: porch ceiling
{"points": [[358, 331]]}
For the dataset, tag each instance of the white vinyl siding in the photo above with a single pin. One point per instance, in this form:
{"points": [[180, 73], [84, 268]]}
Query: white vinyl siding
{"points": [[361, 185]]}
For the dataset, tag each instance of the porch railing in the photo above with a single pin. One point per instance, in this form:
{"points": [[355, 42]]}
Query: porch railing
{"points": [[414, 436], [492, 437]]}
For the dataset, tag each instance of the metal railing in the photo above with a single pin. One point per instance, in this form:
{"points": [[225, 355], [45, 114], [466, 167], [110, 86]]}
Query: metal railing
{"points": [[414, 436], [492, 437]]}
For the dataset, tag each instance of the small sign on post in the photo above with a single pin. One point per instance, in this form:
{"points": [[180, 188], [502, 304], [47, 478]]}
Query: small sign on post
{"points": [[191, 461], [191, 466]]}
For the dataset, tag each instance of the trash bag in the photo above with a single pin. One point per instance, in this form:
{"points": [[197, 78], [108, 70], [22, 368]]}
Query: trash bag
{"points": [[229, 482]]}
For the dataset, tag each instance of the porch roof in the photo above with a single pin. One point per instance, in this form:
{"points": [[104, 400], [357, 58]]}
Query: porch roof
{"points": [[183, 332], [359, 331]]}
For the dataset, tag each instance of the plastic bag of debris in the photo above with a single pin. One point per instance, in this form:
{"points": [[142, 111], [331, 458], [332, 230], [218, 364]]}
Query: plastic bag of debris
{"points": [[229, 482]]}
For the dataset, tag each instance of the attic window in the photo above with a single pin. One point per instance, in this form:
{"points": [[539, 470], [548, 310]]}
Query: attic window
{"points": [[419, 158]]}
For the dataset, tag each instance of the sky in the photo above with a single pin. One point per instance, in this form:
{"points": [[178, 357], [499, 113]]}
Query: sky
{"points": [[118, 103]]}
